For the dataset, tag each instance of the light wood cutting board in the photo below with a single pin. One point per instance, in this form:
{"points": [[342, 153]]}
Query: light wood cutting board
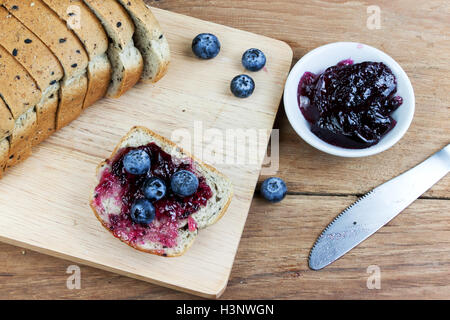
{"points": [[44, 202]]}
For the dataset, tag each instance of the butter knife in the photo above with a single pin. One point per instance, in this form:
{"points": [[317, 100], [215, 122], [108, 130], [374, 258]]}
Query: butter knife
{"points": [[376, 208]]}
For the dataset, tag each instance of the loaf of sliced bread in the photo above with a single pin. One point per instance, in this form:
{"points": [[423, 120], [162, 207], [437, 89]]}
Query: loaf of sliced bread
{"points": [[40, 63], [52, 31], [90, 32], [126, 60], [149, 39], [106, 207]]}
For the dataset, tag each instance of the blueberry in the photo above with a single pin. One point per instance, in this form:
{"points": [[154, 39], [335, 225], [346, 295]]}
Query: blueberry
{"points": [[274, 189], [154, 189], [253, 59], [184, 183], [142, 211], [206, 46], [242, 86], [137, 162]]}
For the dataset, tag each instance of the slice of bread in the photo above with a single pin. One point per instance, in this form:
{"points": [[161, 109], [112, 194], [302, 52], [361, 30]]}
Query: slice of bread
{"points": [[21, 139], [6, 120], [52, 31], [40, 63], [149, 39], [216, 206], [46, 111], [17, 88], [29, 50], [89, 30], [126, 60], [21, 95]]}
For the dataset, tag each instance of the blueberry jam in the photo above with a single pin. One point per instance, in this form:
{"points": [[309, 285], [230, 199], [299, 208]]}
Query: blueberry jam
{"points": [[125, 188], [350, 105]]}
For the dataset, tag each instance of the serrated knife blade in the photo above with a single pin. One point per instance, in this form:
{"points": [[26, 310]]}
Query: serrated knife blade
{"points": [[376, 208]]}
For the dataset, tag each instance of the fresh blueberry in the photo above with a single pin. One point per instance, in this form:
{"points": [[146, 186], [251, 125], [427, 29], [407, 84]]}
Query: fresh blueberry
{"points": [[274, 189], [142, 211], [154, 189], [253, 59], [184, 183], [242, 86], [206, 46], [137, 162]]}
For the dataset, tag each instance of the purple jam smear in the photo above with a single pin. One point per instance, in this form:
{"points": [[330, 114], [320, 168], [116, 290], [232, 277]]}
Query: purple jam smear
{"points": [[125, 188], [350, 105]]}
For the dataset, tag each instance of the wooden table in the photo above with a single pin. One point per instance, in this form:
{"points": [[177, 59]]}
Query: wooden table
{"points": [[412, 251]]}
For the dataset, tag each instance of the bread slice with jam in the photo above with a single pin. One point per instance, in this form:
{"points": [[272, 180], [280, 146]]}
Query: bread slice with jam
{"points": [[177, 219]]}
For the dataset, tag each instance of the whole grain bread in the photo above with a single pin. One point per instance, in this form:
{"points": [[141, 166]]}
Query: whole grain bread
{"points": [[149, 39], [126, 60], [51, 30], [4, 154], [20, 94], [6, 121], [216, 207], [29, 50], [18, 90], [40, 63], [21, 139], [46, 111], [90, 32]]}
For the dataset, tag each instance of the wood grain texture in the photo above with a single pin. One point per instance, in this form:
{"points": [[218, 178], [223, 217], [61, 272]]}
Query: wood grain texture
{"points": [[412, 251], [271, 262], [59, 179]]}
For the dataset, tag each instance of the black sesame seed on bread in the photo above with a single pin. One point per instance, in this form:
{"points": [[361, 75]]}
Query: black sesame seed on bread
{"points": [[90, 32], [52, 31], [149, 39], [50, 70], [125, 58], [42, 66]]}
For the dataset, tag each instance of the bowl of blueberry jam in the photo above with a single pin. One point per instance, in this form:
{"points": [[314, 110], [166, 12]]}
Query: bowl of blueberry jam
{"points": [[349, 99]]}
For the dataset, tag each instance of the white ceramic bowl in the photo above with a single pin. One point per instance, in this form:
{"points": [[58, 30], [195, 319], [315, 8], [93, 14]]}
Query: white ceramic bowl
{"points": [[328, 55]]}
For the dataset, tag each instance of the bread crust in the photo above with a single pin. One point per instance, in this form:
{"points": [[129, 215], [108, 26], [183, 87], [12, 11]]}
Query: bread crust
{"points": [[95, 41], [163, 140], [46, 25], [120, 29], [30, 51], [115, 17], [20, 140], [20, 153], [90, 31], [40, 63], [24, 130], [71, 101], [6, 121], [130, 77], [17, 88], [4, 153], [99, 80], [46, 119], [141, 13]]}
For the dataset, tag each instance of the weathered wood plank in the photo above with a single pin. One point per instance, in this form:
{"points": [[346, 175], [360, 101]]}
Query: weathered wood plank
{"points": [[411, 252]]}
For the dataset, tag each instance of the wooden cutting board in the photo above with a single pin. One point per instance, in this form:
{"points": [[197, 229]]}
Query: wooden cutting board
{"points": [[44, 202]]}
